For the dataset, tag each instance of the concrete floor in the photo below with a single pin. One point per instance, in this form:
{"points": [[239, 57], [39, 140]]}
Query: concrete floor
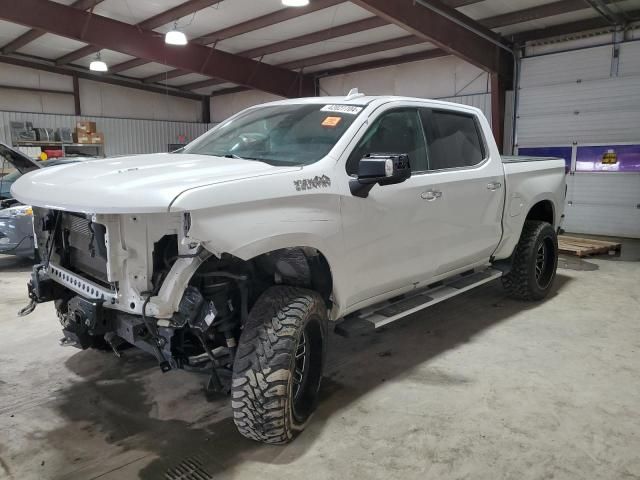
{"points": [[478, 387]]}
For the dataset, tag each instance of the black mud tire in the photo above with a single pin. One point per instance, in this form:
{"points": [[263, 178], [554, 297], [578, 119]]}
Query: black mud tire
{"points": [[269, 404], [525, 280]]}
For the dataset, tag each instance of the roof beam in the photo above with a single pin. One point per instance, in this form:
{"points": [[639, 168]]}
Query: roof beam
{"points": [[33, 34], [567, 28], [441, 8], [534, 13], [175, 13], [84, 74], [129, 64], [267, 20], [316, 37], [354, 52], [156, 21], [445, 31], [210, 82], [385, 62], [461, 3], [37, 90], [308, 39], [111, 34], [562, 6], [328, 57], [163, 76], [270, 19], [228, 91], [77, 54], [601, 7]]}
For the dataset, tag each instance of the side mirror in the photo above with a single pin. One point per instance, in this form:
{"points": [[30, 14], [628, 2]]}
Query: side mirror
{"points": [[381, 169]]}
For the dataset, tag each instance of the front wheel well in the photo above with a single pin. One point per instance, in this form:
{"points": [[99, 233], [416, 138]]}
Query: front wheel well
{"points": [[542, 211], [300, 267]]}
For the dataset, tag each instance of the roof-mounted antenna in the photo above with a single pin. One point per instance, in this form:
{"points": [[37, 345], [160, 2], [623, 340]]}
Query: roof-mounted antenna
{"points": [[353, 93]]}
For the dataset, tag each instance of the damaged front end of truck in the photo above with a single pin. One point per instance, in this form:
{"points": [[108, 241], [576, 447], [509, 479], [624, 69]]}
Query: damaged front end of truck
{"points": [[138, 280]]}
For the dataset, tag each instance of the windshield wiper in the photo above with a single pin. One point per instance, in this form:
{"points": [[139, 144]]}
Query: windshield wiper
{"points": [[233, 155]]}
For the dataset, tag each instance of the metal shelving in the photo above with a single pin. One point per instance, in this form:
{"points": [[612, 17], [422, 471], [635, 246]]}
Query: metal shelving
{"points": [[76, 149]]}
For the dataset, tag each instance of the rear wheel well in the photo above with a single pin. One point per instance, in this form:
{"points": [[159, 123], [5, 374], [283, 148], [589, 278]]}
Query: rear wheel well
{"points": [[542, 211]]}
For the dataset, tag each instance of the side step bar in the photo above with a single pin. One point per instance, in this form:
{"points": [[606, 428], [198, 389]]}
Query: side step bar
{"points": [[391, 310]]}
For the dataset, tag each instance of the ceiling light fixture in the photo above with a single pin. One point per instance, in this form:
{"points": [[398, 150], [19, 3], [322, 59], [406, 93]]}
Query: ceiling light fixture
{"points": [[175, 36], [295, 3], [98, 65]]}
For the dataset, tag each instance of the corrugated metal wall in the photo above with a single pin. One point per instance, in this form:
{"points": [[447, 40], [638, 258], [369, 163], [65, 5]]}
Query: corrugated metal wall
{"points": [[122, 136], [587, 97]]}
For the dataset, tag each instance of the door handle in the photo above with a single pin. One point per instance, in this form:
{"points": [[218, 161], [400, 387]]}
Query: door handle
{"points": [[431, 195], [493, 186]]}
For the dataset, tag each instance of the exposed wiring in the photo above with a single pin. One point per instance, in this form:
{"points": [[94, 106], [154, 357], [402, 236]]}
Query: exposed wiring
{"points": [[241, 281], [190, 21], [164, 365], [52, 237]]}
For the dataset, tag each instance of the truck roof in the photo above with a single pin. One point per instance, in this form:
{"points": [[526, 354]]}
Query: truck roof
{"points": [[364, 100]]}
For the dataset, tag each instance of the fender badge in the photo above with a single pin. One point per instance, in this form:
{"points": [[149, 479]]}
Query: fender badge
{"points": [[310, 183]]}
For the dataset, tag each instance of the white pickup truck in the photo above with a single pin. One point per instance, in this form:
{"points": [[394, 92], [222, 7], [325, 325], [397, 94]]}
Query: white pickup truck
{"points": [[232, 256]]}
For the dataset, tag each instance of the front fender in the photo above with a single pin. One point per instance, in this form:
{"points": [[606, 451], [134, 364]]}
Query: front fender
{"points": [[251, 218]]}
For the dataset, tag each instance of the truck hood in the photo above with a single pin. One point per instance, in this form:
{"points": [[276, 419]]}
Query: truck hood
{"points": [[136, 184]]}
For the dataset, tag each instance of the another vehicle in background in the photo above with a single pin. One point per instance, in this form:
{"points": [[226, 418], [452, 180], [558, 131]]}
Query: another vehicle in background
{"points": [[16, 220]]}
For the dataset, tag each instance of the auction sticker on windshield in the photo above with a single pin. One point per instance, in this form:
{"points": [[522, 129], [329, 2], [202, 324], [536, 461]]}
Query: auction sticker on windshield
{"points": [[350, 109], [331, 122]]}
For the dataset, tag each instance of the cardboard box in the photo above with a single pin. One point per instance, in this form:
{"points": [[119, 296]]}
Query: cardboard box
{"points": [[97, 137], [86, 127], [81, 137]]}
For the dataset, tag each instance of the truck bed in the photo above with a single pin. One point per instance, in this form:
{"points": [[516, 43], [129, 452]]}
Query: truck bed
{"points": [[527, 181], [525, 158]]}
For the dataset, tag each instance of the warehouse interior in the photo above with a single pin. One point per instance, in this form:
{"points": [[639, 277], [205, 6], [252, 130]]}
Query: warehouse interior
{"points": [[481, 386]]}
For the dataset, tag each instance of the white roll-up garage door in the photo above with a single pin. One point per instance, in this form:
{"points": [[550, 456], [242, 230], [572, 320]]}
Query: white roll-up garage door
{"points": [[586, 103]]}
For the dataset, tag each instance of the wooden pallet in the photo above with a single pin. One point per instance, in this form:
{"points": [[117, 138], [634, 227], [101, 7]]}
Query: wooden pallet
{"points": [[582, 247]]}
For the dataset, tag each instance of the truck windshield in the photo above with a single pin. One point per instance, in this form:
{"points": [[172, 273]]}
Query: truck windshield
{"points": [[279, 135]]}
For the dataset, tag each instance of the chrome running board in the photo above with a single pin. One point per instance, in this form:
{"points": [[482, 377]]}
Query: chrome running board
{"points": [[391, 310]]}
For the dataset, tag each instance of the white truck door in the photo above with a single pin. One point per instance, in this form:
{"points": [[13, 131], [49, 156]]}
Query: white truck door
{"points": [[470, 186], [388, 239]]}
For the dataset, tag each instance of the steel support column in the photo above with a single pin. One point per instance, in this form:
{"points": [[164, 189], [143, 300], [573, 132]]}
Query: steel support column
{"points": [[498, 93]]}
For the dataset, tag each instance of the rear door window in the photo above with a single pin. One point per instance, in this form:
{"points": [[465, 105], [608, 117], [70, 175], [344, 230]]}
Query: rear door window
{"points": [[453, 139]]}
